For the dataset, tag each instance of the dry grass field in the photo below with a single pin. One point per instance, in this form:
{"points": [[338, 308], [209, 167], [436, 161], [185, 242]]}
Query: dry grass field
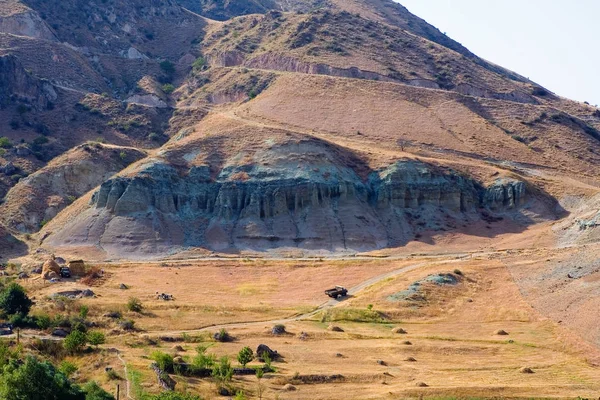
{"points": [[451, 343]]}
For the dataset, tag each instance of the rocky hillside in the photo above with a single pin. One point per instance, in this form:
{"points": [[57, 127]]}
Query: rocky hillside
{"points": [[327, 125]]}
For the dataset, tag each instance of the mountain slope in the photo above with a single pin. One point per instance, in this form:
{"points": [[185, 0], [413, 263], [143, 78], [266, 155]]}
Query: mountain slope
{"points": [[140, 73]]}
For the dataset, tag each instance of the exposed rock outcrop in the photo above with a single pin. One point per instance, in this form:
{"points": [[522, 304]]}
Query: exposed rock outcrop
{"points": [[42, 195], [28, 24], [17, 83], [314, 204]]}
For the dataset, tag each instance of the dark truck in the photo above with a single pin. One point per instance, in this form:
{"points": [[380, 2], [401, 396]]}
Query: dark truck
{"points": [[338, 291], [65, 272]]}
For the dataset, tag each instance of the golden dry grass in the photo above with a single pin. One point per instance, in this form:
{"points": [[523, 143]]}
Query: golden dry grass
{"points": [[452, 334]]}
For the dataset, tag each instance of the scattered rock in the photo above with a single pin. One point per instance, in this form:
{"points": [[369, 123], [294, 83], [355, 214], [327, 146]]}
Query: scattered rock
{"points": [[334, 328], [289, 387], [381, 362], [526, 370], [178, 348], [303, 336], [36, 270], [123, 286], [113, 314], [23, 275], [60, 260], [59, 333], [407, 342], [339, 355], [9, 168], [262, 349], [411, 359], [87, 293], [223, 391], [469, 300], [422, 384], [23, 150], [501, 332], [399, 331]]}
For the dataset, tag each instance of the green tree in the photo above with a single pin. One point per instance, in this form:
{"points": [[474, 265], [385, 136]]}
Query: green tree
{"points": [[36, 380], [94, 392], [203, 360], [245, 356], [260, 388], [14, 300], [75, 341], [222, 372], [96, 338]]}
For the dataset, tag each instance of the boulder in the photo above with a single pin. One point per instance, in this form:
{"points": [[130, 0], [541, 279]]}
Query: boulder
{"points": [[289, 387], [9, 168], [87, 293], [399, 331], [59, 333], [262, 349], [334, 328]]}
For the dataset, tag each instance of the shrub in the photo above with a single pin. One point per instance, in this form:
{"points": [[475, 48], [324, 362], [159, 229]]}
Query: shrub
{"points": [[127, 325], [96, 338], [14, 300], [67, 368], [22, 109], [95, 392], [168, 67], [134, 304], [75, 341], [199, 63], [122, 155], [83, 311], [112, 375], [43, 321], [163, 360], [49, 348], [203, 360], [245, 356], [5, 142], [168, 88], [222, 336], [222, 372]]}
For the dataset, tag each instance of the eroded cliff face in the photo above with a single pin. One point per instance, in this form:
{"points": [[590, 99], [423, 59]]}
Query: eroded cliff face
{"points": [[289, 203], [27, 23], [18, 84], [39, 197]]}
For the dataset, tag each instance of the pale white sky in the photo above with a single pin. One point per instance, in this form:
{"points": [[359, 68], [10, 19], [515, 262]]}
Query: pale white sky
{"points": [[554, 43]]}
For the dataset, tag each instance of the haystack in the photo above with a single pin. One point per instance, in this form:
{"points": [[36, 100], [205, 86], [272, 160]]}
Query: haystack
{"points": [[77, 267], [50, 269]]}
